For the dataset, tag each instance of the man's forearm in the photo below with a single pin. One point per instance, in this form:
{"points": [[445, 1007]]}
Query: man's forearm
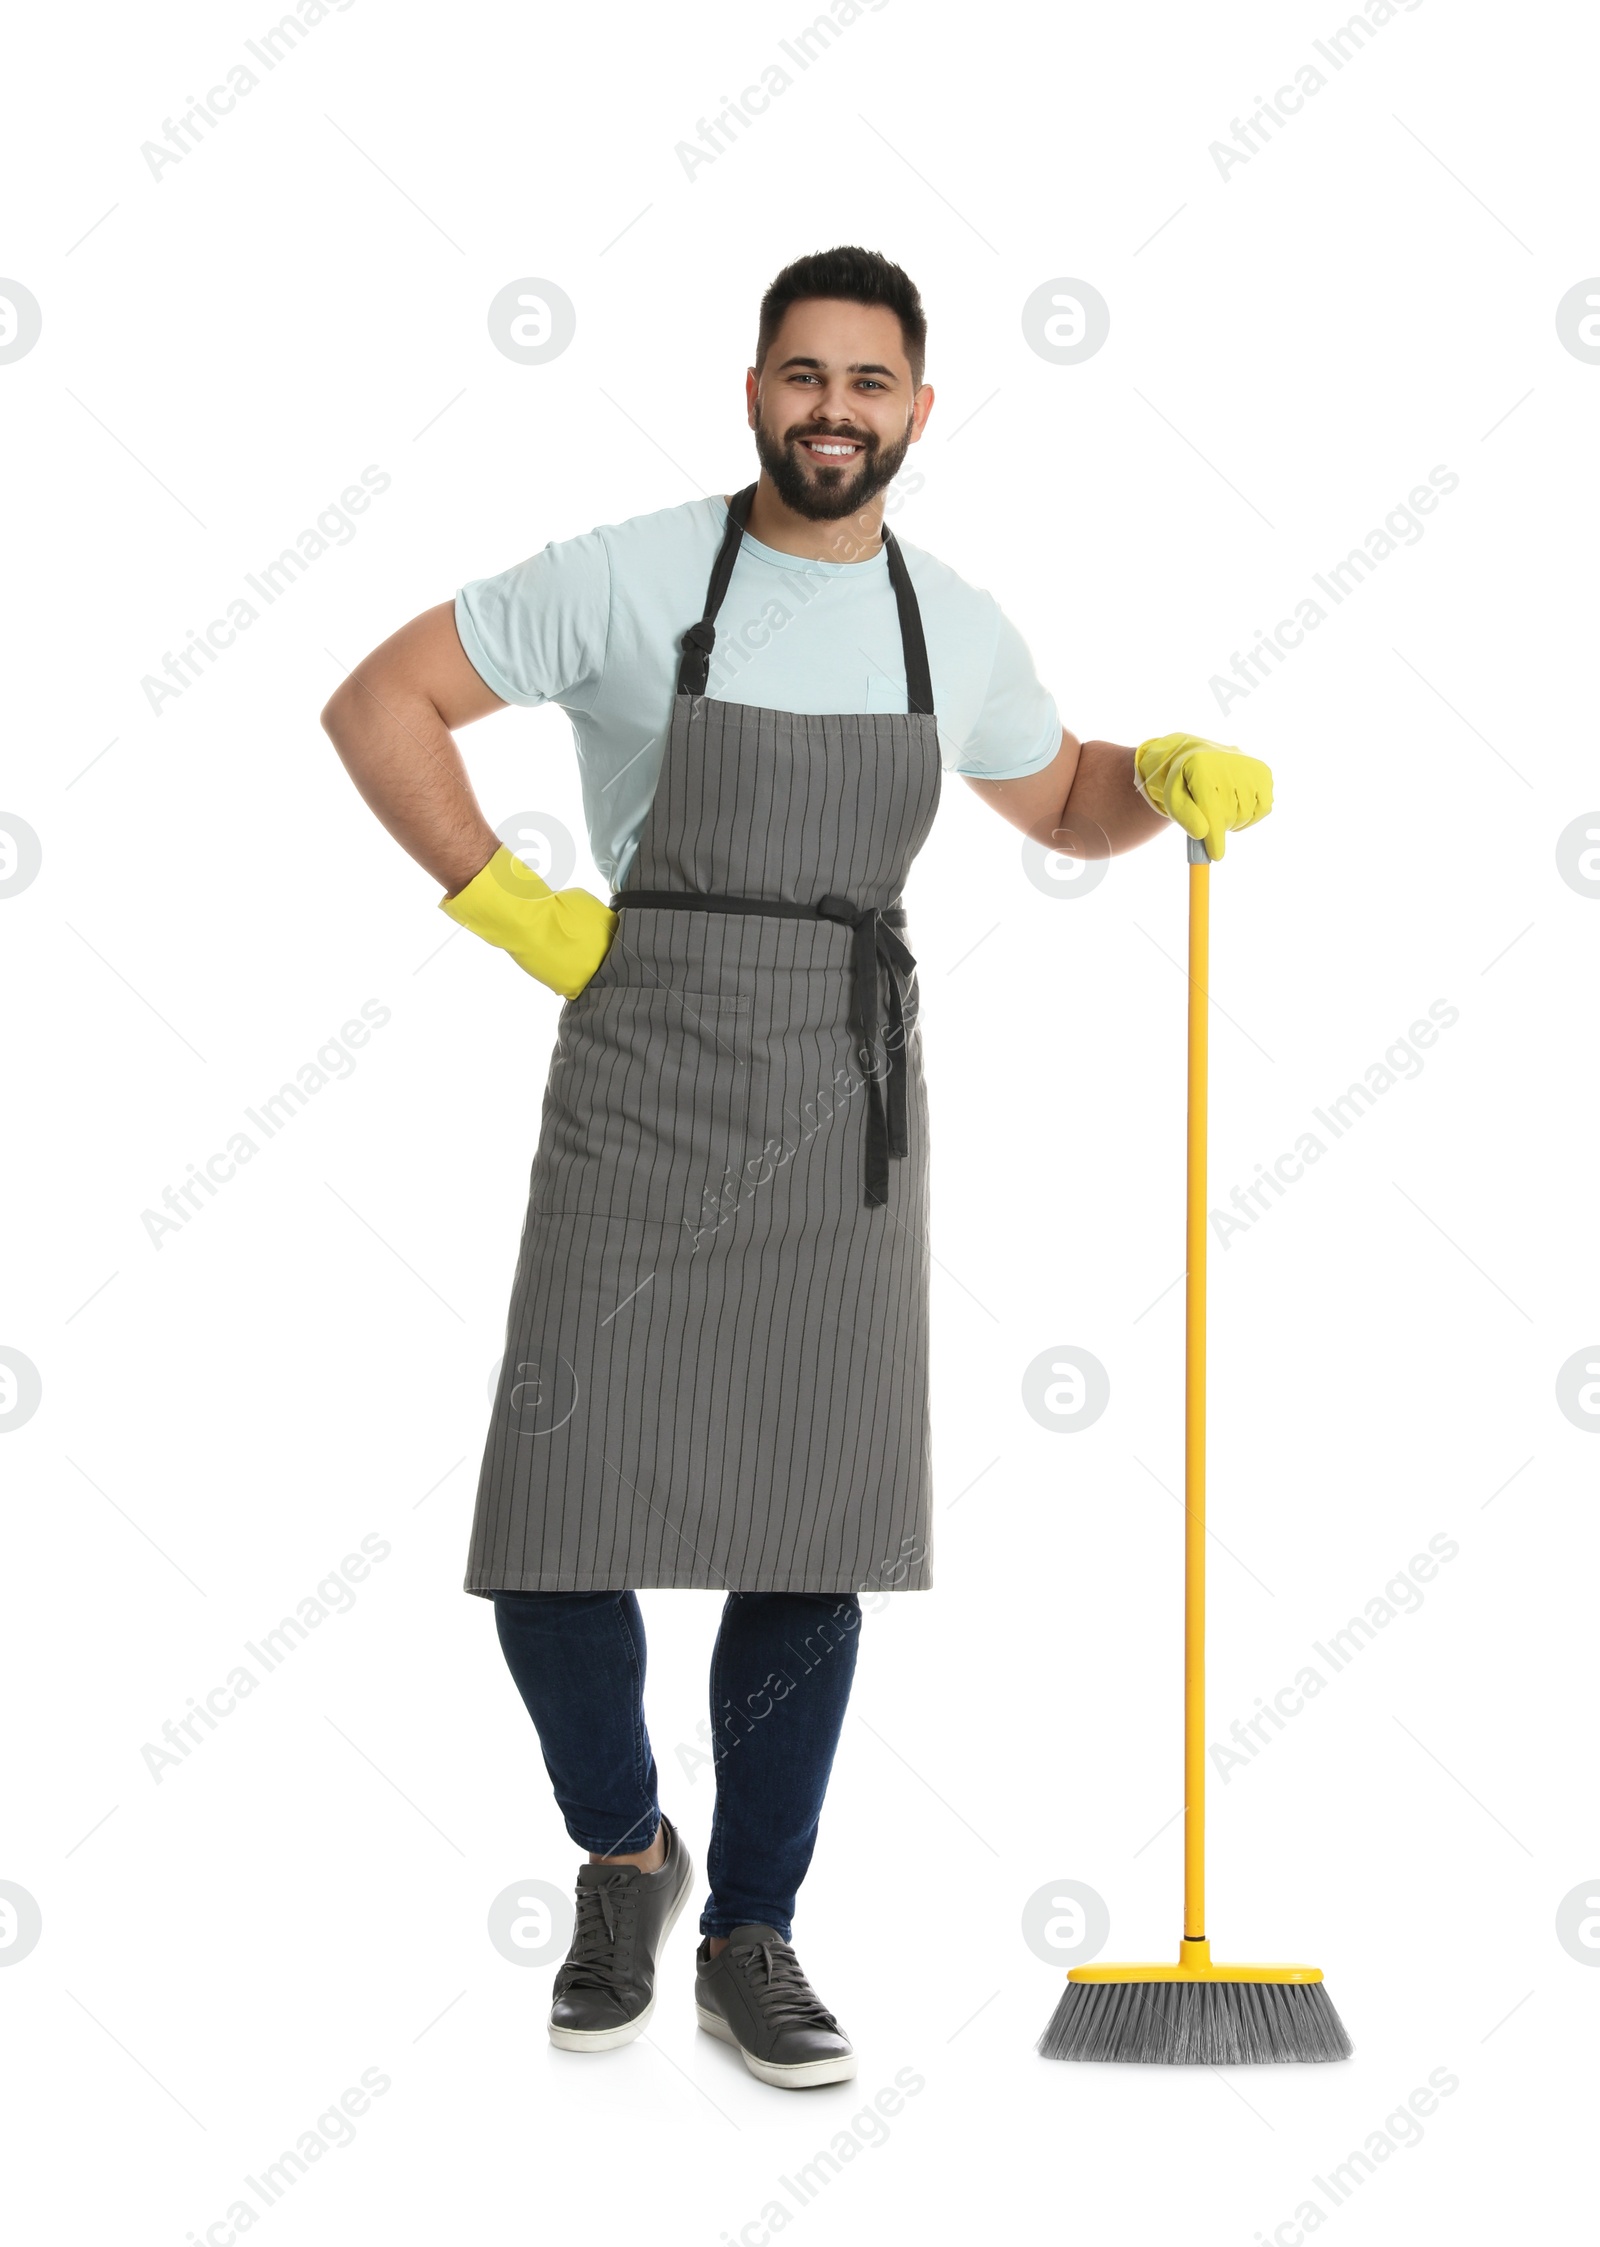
{"points": [[404, 760], [390, 722], [1104, 812]]}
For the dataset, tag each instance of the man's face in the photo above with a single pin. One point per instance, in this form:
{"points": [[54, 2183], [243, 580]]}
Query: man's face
{"points": [[835, 408]]}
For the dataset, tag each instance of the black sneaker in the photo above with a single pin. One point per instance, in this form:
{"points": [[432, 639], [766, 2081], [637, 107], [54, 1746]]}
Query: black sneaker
{"points": [[754, 1995], [605, 1988]]}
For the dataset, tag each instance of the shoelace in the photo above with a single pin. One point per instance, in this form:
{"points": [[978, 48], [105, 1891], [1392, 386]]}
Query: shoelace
{"points": [[604, 1908], [780, 1988]]}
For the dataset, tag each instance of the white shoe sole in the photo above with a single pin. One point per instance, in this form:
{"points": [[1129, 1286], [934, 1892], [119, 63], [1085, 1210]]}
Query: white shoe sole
{"points": [[800, 2075], [607, 2040]]}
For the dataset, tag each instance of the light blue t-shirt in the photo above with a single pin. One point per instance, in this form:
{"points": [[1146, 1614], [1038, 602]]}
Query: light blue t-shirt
{"points": [[593, 623]]}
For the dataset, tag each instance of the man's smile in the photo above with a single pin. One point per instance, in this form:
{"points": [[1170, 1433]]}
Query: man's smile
{"points": [[831, 448]]}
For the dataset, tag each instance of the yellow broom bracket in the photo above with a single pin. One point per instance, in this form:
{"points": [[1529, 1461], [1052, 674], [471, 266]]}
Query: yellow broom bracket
{"points": [[1184, 1972]]}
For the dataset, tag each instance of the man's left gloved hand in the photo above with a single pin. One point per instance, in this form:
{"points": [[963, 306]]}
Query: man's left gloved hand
{"points": [[1206, 788]]}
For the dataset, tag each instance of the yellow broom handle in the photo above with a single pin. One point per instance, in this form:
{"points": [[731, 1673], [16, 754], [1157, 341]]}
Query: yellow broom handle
{"points": [[1194, 1414]]}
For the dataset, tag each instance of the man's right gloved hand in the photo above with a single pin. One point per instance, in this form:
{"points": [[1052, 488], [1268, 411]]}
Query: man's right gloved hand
{"points": [[559, 937]]}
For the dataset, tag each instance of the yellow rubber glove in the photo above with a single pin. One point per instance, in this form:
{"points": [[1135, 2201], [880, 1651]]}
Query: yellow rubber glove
{"points": [[1207, 789], [558, 936]]}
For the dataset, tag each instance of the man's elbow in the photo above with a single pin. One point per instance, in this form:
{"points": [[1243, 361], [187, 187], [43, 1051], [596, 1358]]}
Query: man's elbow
{"points": [[335, 714]]}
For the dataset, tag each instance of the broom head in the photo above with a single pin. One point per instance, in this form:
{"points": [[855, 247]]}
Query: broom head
{"points": [[1195, 2013]]}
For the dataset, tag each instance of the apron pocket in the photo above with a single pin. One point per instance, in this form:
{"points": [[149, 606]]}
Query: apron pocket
{"points": [[650, 1103]]}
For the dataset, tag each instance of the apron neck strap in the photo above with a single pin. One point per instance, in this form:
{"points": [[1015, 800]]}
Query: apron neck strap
{"points": [[919, 683], [697, 644]]}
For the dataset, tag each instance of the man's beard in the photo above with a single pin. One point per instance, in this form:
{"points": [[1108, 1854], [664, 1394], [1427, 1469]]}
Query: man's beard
{"points": [[829, 493]]}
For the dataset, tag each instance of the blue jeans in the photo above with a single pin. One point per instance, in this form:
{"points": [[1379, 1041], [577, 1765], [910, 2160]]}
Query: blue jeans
{"points": [[780, 1679]]}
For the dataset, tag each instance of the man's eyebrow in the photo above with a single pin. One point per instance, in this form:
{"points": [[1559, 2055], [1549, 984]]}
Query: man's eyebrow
{"points": [[856, 366]]}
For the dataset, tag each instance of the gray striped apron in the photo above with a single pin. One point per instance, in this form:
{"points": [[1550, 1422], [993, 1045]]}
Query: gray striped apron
{"points": [[716, 1361]]}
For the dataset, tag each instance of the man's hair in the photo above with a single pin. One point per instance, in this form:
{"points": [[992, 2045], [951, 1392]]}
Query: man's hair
{"points": [[858, 277]]}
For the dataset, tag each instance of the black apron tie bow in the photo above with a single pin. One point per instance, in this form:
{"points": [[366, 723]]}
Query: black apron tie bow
{"points": [[874, 945], [875, 941]]}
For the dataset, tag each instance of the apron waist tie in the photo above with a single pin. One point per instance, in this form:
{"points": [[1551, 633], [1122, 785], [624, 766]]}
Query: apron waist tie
{"points": [[874, 942]]}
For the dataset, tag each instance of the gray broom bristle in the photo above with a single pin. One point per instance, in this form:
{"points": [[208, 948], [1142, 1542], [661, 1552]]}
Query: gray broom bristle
{"points": [[1200, 2023]]}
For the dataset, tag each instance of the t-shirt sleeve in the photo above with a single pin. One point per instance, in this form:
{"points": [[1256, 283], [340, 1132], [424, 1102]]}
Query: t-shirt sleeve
{"points": [[537, 632], [1018, 728]]}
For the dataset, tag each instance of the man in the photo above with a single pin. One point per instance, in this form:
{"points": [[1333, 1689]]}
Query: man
{"points": [[716, 1352]]}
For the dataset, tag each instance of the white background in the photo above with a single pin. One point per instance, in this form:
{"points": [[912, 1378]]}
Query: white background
{"points": [[306, 1361]]}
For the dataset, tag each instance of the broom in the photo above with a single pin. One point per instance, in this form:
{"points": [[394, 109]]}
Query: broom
{"points": [[1194, 2011]]}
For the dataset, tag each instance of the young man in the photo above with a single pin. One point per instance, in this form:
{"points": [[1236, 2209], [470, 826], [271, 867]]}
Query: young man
{"points": [[716, 1353]]}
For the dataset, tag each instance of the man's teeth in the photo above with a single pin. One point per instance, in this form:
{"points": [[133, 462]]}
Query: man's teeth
{"points": [[833, 451]]}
